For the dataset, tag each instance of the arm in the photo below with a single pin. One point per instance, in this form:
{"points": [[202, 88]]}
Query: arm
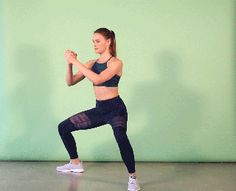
{"points": [[105, 75], [72, 79]]}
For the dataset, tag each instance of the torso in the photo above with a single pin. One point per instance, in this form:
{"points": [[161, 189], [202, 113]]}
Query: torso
{"points": [[103, 92]]}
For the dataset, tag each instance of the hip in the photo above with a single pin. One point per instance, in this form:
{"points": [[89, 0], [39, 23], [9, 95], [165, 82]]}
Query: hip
{"points": [[113, 105]]}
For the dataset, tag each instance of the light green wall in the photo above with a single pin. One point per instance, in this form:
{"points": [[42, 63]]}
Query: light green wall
{"points": [[178, 82], [3, 104]]}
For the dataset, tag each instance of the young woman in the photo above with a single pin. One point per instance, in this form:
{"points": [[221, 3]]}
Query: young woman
{"points": [[104, 73]]}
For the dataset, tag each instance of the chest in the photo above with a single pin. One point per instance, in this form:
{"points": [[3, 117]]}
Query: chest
{"points": [[98, 68]]}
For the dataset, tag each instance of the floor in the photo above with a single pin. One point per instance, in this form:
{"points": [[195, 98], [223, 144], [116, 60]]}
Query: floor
{"points": [[103, 176]]}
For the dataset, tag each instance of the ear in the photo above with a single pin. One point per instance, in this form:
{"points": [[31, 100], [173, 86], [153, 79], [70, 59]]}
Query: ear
{"points": [[109, 41]]}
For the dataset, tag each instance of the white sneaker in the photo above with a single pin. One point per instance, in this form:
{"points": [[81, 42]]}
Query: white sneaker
{"points": [[71, 167], [133, 184]]}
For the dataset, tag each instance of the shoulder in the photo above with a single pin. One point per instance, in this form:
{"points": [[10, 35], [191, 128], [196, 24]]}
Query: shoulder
{"points": [[90, 63], [115, 62]]}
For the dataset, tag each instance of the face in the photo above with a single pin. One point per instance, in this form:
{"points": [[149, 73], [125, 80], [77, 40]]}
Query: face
{"points": [[100, 43]]}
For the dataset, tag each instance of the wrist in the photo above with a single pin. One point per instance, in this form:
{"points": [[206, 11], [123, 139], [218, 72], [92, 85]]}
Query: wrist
{"points": [[72, 61]]}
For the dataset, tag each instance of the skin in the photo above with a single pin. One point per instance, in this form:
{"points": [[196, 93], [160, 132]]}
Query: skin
{"points": [[114, 66]]}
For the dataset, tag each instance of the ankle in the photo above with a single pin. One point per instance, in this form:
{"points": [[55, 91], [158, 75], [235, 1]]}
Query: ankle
{"points": [[75, 161], [133, 175]]}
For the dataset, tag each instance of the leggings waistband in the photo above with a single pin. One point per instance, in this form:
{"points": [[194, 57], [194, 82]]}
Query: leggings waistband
{"points": [[110, 103], [108, 100]]}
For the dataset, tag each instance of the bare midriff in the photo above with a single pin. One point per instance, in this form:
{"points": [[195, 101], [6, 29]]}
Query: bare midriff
{"points": [[104, 93]]}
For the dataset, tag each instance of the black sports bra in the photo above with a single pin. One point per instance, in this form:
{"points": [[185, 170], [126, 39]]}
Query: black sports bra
{"points": [[98, 68]]}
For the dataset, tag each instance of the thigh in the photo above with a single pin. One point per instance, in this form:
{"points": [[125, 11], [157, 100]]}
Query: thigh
{"points": [[87, 119], [118, 121], [118, 117]]}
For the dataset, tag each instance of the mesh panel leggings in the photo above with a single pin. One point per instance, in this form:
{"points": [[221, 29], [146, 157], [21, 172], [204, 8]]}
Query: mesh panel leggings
{"points": [[111, 111]]}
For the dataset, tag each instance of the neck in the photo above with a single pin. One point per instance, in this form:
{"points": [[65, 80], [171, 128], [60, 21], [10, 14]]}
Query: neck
{"points": [[104, 56]]}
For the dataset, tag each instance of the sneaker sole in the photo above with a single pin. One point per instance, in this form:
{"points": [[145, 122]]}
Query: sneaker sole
{"points": [[72, 170], [77, 170], [135, 190]]}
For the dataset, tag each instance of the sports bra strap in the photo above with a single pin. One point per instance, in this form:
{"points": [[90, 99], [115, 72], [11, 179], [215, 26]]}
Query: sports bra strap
{"points": [[107, 60]]}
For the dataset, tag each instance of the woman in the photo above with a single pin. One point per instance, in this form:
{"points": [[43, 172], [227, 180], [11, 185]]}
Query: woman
{"points": [[105, 73]]}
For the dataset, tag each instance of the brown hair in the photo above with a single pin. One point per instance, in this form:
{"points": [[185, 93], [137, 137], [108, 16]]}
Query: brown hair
{"points": [[108, 34]]}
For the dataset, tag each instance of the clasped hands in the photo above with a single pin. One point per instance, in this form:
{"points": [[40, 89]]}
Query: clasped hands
{"points": [[70, 56]]}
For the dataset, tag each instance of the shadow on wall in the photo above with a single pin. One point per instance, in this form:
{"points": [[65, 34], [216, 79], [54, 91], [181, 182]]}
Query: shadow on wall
{"points": [[234, 59], [30, 116], [173, 113]]}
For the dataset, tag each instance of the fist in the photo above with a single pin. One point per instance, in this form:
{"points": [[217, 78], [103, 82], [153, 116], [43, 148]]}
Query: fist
{"points": [[70, 55]]}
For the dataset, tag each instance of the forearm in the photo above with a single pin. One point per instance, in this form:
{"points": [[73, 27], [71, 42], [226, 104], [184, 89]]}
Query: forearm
{"points": [[69, 75], [87, 72]]}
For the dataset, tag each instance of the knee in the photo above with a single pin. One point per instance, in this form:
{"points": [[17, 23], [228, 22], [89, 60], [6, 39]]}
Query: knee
{"points": [[62, 127], [120, 134]]}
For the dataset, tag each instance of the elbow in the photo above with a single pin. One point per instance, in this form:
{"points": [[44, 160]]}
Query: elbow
{"points": [[97, 81], [69, 84]]}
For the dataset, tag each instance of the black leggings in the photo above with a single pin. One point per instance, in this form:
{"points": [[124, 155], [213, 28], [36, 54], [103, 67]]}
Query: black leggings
{"points": [[111, 111]]}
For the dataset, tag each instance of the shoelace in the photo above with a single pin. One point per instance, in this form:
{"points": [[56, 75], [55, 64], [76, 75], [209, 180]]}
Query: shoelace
{"points": [[132, 181], [67, 164]]}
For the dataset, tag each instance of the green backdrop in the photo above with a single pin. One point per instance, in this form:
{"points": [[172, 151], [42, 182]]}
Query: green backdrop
{"points": [[178, 81]]}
